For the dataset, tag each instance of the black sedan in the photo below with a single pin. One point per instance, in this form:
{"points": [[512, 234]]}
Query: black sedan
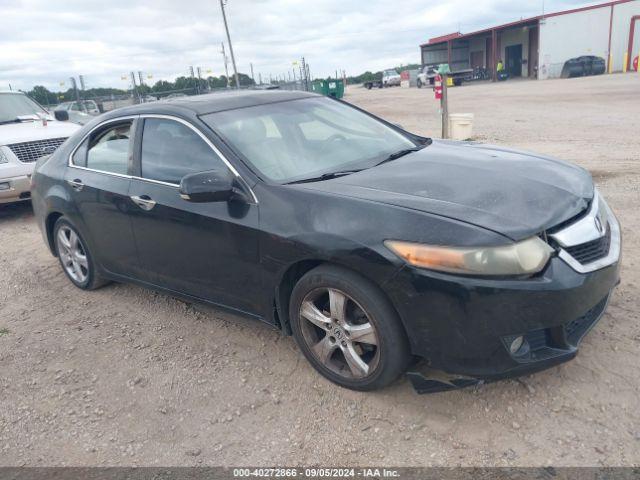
{"points": [[380, 251]]}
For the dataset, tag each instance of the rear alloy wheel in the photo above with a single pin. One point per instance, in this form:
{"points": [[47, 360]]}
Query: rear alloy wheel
{"points": [[74, 256], [347, 329]]}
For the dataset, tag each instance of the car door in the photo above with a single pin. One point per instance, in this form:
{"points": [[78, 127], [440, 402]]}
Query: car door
{"points": [[97, 181], [206, 250]]}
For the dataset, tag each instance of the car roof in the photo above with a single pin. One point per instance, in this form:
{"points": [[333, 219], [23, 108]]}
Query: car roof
{"points": [[218, 102]]}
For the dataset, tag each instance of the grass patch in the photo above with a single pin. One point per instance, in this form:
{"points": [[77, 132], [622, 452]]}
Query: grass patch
{"points": [[4, 331]]}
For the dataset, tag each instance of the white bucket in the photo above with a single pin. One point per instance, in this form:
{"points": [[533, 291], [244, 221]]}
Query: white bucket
{"points": [[460, 126]]}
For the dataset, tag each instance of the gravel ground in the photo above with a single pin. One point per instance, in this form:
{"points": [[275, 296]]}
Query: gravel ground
{"points": [[126, 376]]}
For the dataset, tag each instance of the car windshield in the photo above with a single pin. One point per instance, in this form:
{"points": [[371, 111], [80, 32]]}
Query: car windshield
{"points": [[14, 105], [301, 139]]}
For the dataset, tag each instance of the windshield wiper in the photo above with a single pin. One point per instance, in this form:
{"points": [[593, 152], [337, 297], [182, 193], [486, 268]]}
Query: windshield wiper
{"points": [[20, 119], [400, 153], [15, 120], [325, 176]]}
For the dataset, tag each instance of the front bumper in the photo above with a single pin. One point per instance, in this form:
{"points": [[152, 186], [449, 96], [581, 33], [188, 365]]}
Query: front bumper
{"points": [[15, 189], [463, 326]]}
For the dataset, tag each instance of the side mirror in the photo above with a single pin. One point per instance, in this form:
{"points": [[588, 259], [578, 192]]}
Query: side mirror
{"points": [[61, 115], [210, 186]]}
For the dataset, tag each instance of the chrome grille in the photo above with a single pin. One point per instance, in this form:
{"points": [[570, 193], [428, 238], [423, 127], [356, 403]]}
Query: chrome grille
{"points": [[28, 152], [591, 251], [591, 242]]}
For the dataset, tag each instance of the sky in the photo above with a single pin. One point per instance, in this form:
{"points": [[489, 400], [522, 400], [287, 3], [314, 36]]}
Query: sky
{"points": [[44, 42]]}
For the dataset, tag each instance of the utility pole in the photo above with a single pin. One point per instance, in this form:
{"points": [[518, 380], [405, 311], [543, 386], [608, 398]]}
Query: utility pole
{"points": [[233, 58], [260, 78], [252, 78], [199, 70], [444, 104], [134, 90], [305, 74], [82, 105], [193, 77], [226, 68], [75, 89]]}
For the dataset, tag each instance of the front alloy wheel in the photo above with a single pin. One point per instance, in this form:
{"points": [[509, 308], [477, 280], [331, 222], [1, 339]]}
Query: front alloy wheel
{"points": [[347, 328], [339, 333]]}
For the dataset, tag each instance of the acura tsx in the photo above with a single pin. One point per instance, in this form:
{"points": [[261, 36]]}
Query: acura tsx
{"points": [[381, 252]]}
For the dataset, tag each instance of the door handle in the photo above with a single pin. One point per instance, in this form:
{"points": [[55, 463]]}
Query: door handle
{"points": [[143, 201], [76, 184]]}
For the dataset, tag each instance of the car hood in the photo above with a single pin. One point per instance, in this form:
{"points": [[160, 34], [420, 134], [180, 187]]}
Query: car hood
{"points": [[31, 131], [514, 193]]}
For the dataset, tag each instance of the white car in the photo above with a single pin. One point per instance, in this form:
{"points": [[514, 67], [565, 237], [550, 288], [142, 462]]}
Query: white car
{"points": [[27, 132], [80, 112], [427, 75], [390, 78]]}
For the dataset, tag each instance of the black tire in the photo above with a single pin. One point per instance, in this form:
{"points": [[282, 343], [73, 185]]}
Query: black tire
{"points": [[91, 279], [392, 354], [419, 83]]}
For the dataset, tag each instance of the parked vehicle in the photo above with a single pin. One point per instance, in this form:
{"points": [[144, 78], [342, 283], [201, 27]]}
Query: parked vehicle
{"points": [[372, 246], [391, 78], [27, 132], [584, 66], [428, 74], [87, 106], [373, 84], [80, 112]]}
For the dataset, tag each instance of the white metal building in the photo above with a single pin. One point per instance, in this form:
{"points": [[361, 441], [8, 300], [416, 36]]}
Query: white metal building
{"points": [[539, 47]]}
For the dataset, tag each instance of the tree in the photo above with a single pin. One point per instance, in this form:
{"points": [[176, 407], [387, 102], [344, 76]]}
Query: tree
{"points": [[162, 86], [43, 96]]}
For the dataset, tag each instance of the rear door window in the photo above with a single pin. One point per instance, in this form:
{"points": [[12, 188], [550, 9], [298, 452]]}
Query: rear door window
{"points": [[108, 150]]}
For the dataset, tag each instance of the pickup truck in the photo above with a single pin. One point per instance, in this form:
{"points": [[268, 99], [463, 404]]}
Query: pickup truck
{"points": [[27, 132], [428, 74], [390, 78]]}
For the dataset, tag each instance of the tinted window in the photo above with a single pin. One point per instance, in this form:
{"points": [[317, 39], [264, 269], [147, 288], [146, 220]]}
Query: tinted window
{"points": [[298, 139], [108, 150], [171, 150]]}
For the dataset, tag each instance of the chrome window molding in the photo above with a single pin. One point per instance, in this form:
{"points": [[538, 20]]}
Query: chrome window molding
{"points": [[166, 117], [586, 230]]}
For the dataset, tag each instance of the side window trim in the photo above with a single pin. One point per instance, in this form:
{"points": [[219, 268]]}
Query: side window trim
{"points": [[135, 148], [70, 163], [210, 144]]}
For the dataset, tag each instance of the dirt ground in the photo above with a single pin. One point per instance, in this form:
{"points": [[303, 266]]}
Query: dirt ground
{"points": [[126, 376]]}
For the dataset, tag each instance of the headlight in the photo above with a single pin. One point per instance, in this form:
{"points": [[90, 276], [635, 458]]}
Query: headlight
{"points": [[3, 157], [522, 258]]}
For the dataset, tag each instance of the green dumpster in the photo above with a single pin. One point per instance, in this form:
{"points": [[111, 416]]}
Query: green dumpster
{"points": [[328, 88]]}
